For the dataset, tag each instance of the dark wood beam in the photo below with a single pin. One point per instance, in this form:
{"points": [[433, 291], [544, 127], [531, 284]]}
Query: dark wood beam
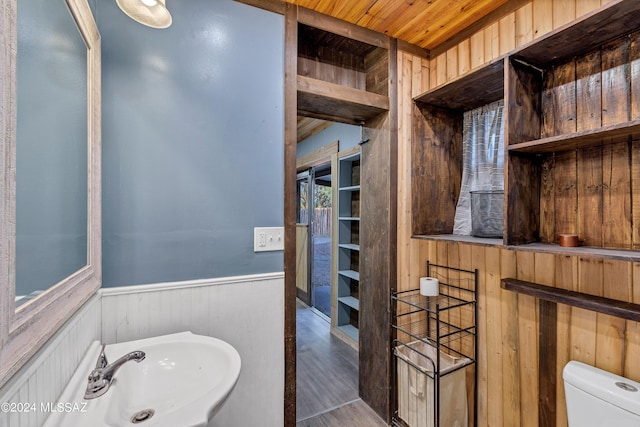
{"points": [[413, 49], [342, 28], [612, 307], [276, 6], [547, 363], [378, 254], [290, 146]]}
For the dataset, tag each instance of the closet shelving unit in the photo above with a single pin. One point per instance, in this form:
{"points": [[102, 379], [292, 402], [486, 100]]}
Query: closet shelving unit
{"points": [[447, 323], [348, 304], [572, 130]]}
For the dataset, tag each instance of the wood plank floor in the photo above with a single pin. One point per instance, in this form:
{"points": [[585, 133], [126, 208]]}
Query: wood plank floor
{"points": [[327, 377]]}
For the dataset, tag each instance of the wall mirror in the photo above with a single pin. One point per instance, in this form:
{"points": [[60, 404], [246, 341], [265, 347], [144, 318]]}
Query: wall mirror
{"points": [[51, 148], [50, 258]]}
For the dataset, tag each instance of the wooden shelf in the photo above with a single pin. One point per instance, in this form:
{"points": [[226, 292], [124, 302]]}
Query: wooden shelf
{"points": [[347, 306], [582, 251], [625, 310], [484, 241], [475, 89], [351, 302], [350, 274], [349, 246], [605, 135], [324, 100], [582, 35]]}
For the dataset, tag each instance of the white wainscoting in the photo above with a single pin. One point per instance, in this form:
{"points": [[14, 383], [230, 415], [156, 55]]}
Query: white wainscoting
{"points": [[44, 377], [245, 311]]}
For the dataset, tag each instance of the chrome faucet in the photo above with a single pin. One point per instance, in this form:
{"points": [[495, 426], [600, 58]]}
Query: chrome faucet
{"points": [[101, 377]]}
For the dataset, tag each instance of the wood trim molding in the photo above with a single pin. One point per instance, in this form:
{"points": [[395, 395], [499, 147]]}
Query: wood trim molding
{"points": [[342, 28], [276, 6], [413, 49], [349, 152], [24, 331], [318, 157], [8, 35]]}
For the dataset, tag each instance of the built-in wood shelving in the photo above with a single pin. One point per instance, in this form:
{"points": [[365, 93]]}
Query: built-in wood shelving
{"points": [[587, 33], [317, 98], [348, 255], [341, 76], [611, 134], [475, 89], [571, 114], [436, 154]]}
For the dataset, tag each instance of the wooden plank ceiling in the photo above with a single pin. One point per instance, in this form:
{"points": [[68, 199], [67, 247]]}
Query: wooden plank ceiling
{"points": [[424, 23]]}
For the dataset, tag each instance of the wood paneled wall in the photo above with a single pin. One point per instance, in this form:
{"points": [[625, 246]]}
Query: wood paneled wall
{"points": [[509, 324], [508, 365], [588, 191], [515, 29]]}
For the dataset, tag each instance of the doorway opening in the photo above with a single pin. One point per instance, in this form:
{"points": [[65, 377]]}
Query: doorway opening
{"points": [[320, 238], [325, 206], [314, 228]]}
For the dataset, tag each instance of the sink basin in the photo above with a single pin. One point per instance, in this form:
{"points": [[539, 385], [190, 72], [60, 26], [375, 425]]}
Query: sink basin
{"points": [[182, 382]]}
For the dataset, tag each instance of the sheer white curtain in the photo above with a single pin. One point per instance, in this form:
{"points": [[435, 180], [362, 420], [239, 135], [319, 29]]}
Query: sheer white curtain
{"points": [[483, 159]]}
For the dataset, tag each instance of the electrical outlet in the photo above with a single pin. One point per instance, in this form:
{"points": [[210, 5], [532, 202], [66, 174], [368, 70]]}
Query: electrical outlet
{"points": [[268, 239]]}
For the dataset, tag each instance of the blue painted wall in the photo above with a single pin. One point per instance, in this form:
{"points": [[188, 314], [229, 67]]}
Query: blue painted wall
{"points": [[348, 135], [193, 134]]}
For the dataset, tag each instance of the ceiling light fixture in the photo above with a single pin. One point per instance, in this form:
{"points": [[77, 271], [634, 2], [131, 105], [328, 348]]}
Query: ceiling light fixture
{"points": [[152, 13]]}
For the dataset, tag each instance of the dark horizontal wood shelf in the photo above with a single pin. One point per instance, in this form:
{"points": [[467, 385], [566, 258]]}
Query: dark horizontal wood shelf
{"points": [[605, 135], [475, 89], [550, 248], [460, 238], [324, 100], [622, 309], [581, 251], [582, 35]]}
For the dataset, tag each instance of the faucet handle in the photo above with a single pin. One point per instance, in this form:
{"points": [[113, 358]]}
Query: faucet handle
{"points": [[102, 359]]}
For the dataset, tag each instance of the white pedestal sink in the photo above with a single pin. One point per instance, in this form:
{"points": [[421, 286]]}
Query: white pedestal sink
{"points": [[182, 382]]}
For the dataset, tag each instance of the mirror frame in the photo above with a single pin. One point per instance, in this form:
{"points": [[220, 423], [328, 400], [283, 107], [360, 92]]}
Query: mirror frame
{"points": [[25, 330]]}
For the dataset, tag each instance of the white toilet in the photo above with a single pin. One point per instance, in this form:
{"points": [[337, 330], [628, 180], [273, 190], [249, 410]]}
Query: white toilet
{"points": [[597, 398]]}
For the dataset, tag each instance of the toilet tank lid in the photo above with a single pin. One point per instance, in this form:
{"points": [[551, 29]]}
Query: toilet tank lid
{"points": [[602, 385]]}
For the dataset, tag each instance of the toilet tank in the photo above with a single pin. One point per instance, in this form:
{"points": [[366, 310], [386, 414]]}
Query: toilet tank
{"points": [[597, 398]]}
